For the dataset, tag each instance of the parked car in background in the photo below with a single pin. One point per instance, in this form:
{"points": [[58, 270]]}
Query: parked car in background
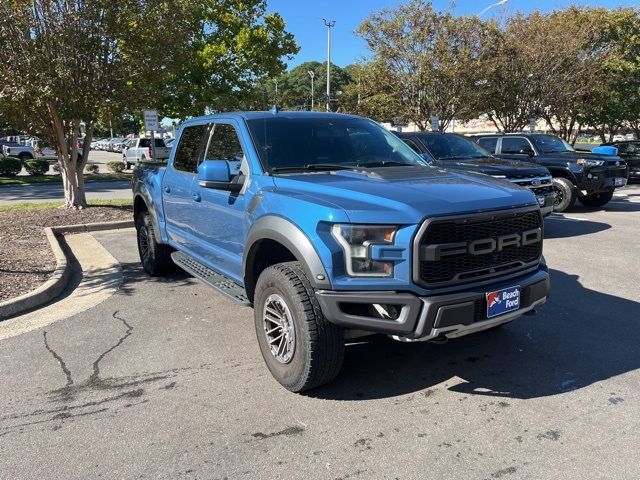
{"points": [[455, 152], [629, 151], [28, 152], [169, 142], [590, 178], [140, 150]]}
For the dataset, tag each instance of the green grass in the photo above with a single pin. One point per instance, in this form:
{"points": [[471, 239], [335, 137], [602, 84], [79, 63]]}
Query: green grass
{"points": [[88, 177], [118, 202]]}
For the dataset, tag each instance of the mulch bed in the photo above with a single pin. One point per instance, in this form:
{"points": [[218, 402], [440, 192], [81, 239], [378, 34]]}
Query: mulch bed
{"points": [[26, 260]]}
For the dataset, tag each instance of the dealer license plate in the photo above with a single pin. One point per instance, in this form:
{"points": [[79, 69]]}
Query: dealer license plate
{"points": [[619, 182], [503, 301]]}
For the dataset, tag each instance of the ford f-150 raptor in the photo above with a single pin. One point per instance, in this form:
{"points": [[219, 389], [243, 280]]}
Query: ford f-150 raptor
{"points": [[329, 225]]}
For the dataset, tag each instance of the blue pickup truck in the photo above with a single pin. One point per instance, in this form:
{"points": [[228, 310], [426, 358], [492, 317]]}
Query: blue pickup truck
{"points": [[330, 227]]}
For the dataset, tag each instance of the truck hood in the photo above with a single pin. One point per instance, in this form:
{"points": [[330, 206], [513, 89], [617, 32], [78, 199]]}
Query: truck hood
{"points": [[404, 195], [494, 166]]}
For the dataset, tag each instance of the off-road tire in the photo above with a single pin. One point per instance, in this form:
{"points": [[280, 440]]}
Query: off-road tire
{"points": [[596, 199], [565, 194], [319, 344], [155, 257], [24, 157]]}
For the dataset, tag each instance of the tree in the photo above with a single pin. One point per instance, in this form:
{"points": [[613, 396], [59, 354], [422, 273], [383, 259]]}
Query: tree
{"points": [[433, 59], [235, 47], [294, 87], [74, 62]]}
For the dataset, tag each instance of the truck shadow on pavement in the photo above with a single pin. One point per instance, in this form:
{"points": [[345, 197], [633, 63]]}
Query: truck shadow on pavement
{"points": [[560, 226], [580, 337]]}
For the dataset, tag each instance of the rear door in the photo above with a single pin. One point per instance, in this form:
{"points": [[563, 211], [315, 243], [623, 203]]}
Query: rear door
{"points": [[177, 195], [220, 233]]}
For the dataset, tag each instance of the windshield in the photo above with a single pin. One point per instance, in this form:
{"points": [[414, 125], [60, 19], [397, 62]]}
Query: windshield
{"points": [[452, 147], [299, 143], [551, 144]]}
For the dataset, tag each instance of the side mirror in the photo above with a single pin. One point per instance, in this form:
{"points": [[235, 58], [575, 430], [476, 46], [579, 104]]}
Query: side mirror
{"points": [[217, 174]]}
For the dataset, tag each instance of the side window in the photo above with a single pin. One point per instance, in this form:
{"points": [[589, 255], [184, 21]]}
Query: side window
{"points": [[412, 144], [489, 143], [515, 145], [188, 151], [224, 144]]}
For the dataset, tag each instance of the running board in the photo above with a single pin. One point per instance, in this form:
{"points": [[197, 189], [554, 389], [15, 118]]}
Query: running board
{"points": [[223, 284]]}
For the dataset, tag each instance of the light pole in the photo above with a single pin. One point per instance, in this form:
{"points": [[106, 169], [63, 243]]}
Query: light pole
{"points": [[312, 74], [485, 10], [329, 24]]}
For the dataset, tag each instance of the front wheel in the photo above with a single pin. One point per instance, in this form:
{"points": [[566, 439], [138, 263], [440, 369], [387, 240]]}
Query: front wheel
{"points": [[301, 348], [596, 199], [565, 194], [155, 257]]}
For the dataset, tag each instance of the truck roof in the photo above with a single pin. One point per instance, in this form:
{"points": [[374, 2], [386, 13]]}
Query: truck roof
{"points": [[253, 115]]}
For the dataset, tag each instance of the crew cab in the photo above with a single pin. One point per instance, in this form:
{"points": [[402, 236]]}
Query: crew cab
{"points": [[588, 177], [629, 151], [329, 226], [140, 150], [455, 152]]}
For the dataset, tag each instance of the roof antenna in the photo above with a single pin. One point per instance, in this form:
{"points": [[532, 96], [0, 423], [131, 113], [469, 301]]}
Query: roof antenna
{"points": [[275, 109]]}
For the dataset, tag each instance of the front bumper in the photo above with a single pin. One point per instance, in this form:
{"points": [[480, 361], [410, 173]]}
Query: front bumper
{"points": [[601, 179], [424, 318]]}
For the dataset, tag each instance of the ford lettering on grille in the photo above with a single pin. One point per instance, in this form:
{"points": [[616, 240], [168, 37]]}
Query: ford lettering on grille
{"points": [[433, 253]]}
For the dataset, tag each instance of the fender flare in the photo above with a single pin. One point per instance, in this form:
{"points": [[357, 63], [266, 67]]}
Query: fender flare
{"points": [[286, 233], [151, 210]]}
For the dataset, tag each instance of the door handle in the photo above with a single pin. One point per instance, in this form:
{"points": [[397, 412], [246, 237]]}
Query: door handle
{"points": [[196, 197], [167, 189]]}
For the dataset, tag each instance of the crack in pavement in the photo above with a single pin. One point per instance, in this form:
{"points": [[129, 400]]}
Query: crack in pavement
{"points": [[59, 359], [94, 379]]}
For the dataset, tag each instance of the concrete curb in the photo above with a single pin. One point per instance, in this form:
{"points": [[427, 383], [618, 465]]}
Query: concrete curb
{"points": [[59, 279]]}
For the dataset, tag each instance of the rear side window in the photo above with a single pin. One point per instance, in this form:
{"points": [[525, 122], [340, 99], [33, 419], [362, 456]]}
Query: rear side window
{"points": [[488, 143], [515, 145], [189, 149]]}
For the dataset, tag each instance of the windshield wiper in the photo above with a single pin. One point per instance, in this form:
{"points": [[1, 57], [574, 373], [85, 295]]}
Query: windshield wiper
{"points": [[313, 167], [459, 157]]}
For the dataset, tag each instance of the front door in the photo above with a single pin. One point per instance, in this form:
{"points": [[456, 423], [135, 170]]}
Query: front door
{"points": [[222, 214]]}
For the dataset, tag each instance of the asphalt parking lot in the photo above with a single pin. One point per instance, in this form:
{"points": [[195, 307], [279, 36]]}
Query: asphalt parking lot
{"points": [[164, 379]]}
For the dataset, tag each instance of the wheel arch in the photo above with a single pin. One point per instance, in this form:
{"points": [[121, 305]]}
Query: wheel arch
{"points": [[274, 240], [139, 206]]}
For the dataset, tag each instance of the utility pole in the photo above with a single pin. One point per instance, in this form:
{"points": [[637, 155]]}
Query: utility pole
{"points": [[329, 24], [312, 74]]}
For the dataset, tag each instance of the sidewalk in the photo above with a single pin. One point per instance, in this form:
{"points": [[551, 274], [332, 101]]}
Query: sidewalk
{"points": [[47, 192]]}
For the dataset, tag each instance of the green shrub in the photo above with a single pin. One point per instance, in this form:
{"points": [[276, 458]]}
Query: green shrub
{"points": [[115, 166], [10, 166], [36, 167], [91, 168]]}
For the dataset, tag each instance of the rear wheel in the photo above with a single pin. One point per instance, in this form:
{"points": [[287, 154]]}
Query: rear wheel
{"points": [[155, 257], [565, 194], [24, 157], [301, 348], [596, 199]]}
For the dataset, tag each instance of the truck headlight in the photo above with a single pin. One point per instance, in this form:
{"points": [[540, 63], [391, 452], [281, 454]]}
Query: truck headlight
{"points": [[355, 241], [588, 163]]}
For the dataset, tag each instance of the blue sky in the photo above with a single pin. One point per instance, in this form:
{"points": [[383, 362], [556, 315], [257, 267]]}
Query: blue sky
{"points": [[304, 20]]}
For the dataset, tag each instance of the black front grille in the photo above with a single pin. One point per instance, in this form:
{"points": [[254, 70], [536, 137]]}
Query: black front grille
{"points": [[466, 267], [548, 190]]}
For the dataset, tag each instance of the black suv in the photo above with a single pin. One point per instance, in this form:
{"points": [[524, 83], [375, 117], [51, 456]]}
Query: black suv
{"points": [[629, 151], [451, 151], [589, 177]]}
